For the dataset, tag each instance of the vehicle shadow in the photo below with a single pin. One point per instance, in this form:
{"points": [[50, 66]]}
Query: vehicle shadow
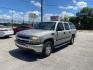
{"points": [[29, 56], [25, 55]]}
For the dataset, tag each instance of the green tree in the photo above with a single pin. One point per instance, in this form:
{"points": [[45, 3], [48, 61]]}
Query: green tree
{"points": [[74, 20], [86, 10], [85, 17]]}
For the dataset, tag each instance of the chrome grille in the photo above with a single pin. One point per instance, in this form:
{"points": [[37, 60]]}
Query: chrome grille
{"points": [[22, 42]]}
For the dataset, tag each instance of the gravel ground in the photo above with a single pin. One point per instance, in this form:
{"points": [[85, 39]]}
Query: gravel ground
{"points": [[78, 56]]}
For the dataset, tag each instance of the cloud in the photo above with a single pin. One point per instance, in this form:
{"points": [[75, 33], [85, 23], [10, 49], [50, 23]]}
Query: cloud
{"points": [[15, 12], [74, 1], [64, 13], [5, 16], [16, 15], [70, 14], [81, 4], [12, 11], [68, 7], [77, 5], [19, 15], [47, 16], [37, 4]]}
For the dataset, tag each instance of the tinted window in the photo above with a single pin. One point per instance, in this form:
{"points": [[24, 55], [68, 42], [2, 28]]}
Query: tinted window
{"points": [[66, 26], [60, 27], [72, 26], [45, 25]]}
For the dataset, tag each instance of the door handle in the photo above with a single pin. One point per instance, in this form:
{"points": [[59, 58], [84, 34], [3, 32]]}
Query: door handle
{"points": [[69, 32], [64, 32]]}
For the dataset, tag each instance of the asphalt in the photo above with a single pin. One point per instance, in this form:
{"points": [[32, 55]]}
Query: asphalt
{"points": [[78, 56]]}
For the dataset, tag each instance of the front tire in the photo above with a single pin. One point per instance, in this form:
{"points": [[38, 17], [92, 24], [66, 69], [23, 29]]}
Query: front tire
{"points": [[47, 49]]}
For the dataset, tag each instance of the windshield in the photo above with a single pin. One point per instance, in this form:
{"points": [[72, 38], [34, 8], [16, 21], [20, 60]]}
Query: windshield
{"points": [[45, 25]]}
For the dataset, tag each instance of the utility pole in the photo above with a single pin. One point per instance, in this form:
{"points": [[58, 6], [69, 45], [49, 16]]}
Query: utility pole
{"points": [[12, 18], [41, 10], [23, 18]]}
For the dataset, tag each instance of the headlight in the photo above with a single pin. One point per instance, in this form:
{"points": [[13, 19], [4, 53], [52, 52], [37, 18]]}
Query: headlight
{"points": [[35, 40]]}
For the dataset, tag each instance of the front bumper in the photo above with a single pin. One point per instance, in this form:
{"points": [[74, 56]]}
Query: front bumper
{"points": [[36, 48]]}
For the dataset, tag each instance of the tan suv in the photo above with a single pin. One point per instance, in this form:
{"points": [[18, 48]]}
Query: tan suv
{"points": [[46, 36]]}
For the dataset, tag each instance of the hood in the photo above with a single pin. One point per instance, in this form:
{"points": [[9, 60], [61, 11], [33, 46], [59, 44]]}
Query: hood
{"points": [[35, 32]]}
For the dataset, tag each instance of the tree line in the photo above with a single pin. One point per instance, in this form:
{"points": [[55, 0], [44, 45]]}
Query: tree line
{"points": [[83, 19]]}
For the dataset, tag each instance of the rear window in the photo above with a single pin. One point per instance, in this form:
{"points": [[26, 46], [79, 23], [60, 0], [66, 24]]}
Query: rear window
{"points": [[66, 26], [72, 26], [60, 27]]}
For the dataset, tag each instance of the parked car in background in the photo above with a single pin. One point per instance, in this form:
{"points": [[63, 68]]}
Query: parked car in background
{"points": [[6, 31], [46, 36], [23, 27]]}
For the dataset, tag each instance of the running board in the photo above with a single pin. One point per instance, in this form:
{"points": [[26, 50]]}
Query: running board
{"points": [[61, 45]]}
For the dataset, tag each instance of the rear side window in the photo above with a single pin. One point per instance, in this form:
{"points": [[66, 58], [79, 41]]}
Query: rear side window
{"points": [[60, 27], [72, 26], [66, 26]]}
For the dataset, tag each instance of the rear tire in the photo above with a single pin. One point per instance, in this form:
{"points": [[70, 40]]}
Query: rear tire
{"points": [[72, 41], [47, 49]]}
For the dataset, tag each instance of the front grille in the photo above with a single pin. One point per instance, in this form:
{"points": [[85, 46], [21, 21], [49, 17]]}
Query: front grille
{"points": [[22, 42], [23, 36]]}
